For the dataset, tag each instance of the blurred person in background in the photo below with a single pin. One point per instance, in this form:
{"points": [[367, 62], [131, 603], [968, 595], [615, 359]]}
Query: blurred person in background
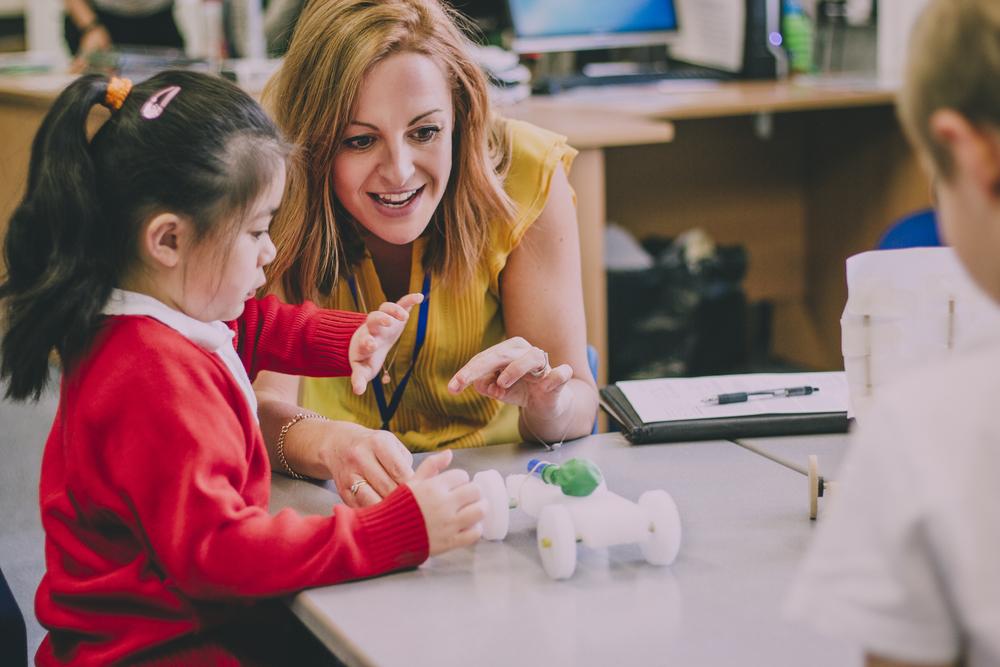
{"points": [[97, 25]]}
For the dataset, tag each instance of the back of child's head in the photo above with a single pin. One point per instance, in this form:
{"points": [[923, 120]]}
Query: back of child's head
{"points": [[200, 148], [953, 63]]}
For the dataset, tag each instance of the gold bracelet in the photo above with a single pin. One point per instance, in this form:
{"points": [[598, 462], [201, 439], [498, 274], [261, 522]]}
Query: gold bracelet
{"points": [[279, 446]]}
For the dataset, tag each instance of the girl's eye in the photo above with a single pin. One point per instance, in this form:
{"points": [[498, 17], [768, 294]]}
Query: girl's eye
{"points": [[360, 142], [257, 235], [426, 133]]}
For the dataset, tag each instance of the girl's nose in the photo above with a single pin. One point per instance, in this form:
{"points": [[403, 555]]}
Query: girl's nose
{"points": [[268, 251]]}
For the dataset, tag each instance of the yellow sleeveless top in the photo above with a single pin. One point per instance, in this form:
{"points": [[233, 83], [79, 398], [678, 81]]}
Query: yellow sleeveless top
{"points": [[462, 321]]}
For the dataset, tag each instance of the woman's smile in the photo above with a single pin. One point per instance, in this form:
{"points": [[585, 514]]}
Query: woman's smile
{"points": [[397, 203]]}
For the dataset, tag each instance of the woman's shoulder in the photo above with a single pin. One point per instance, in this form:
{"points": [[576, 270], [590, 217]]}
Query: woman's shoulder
{"points": [[534, 154]]}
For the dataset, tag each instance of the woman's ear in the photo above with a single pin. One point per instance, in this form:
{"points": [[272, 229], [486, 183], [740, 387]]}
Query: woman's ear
{"points": [[975, 150], [163, 239]]}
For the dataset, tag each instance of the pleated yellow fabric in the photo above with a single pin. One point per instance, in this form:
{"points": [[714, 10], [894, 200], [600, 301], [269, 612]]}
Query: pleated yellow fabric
{"points": [[462, 321]]}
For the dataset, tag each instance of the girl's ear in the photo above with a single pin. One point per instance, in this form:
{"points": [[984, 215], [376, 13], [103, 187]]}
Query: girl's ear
{"points": [[163, 239]]}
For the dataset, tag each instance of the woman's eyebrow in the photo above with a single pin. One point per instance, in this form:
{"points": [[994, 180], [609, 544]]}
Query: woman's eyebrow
{"points": [[413, 120], [423, 115]]}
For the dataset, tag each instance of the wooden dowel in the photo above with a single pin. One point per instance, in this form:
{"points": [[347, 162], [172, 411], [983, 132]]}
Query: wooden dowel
{"points": [[777, 459]]}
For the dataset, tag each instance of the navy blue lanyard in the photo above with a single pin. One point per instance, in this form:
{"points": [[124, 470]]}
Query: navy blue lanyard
{"points": [[387, 411]]}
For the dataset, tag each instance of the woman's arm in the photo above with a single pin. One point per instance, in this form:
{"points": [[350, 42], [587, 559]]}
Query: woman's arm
{"points": [[542, 296], [336, 450]]}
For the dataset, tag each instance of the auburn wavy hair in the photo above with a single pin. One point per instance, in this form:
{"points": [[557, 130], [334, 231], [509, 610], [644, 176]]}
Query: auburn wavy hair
{"points": [[312, 98]]}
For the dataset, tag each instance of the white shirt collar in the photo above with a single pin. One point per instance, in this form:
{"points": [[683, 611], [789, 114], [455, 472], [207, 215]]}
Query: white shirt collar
{"points": [[215, 337]]}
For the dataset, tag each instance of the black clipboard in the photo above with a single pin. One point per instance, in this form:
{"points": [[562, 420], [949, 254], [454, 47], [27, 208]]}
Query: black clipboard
{"points": [[614, 402]]}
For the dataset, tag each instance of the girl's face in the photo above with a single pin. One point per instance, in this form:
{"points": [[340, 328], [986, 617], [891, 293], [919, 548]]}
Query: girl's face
{"points": [[224, 273], [393, 165]]}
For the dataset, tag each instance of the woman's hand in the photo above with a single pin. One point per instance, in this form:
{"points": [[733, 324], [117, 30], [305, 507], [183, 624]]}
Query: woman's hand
{"points": [[372, 341], [365, 465], [516, 372]]}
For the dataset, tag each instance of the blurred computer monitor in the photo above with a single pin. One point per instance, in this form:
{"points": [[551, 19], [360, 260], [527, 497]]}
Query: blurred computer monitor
{"points": [[575, 25]]}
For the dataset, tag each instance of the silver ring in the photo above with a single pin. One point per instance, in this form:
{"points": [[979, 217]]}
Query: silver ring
{"points": [[543, 371], [357, 486]]}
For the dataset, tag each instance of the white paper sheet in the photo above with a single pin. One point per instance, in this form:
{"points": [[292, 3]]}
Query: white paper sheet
{"points": [[678, 399]]}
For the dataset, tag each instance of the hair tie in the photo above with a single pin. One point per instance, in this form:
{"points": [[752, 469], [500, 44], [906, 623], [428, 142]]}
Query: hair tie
{"points": [[118, 90]]}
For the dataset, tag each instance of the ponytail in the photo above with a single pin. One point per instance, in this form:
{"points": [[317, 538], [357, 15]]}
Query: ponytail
{"points": [[56, 283]]}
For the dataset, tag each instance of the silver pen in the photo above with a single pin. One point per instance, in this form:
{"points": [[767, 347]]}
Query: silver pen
{"points": [[744, 396]]}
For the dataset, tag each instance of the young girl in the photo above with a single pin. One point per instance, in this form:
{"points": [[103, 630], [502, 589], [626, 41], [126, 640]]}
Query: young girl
{"points": [[125, 257]]}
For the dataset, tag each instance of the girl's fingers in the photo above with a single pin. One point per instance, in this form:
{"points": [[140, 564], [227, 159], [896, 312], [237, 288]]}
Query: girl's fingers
{"points": [[359, 380], [467, 494], [433, 465], [454, 477], [395, 311], [377, 321], [410, 300]]}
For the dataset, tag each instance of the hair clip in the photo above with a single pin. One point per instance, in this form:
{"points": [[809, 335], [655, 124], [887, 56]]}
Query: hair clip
{"points": [[154, 106]]}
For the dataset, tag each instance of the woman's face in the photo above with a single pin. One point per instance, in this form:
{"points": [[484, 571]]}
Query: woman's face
{"points": [[393, 165]]}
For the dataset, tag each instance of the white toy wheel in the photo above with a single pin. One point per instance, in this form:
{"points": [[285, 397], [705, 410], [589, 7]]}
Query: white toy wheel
{"points": [[494, 491], [557, 541], [664, 527]]}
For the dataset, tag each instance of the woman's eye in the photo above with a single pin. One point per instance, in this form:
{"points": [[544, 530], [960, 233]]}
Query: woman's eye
{"points": [[360, 142], [426, 133], [259, 234]]}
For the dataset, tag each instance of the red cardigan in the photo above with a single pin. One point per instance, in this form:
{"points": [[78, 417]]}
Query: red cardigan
{"points": [[154, 491]]}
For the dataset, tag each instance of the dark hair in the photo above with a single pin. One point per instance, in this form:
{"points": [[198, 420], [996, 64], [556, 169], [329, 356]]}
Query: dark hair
{"points": [[75, 234]]}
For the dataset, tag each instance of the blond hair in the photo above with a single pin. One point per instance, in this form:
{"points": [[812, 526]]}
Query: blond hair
{"points": [[953, 63], [335, 45]]}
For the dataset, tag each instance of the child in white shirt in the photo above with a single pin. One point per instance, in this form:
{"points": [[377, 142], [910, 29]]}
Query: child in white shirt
{"points": [[907, 562]]}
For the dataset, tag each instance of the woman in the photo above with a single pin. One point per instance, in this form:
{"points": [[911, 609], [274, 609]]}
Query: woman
{"points": [[409, 181]]}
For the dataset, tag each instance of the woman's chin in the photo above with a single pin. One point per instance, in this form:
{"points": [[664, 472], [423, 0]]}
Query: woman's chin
{"points": [[394, 233]]}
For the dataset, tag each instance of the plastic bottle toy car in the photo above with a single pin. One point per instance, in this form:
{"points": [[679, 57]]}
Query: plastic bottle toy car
{"points": [[594, 516]]}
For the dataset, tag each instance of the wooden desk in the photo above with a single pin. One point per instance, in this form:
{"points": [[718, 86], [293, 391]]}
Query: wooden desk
{"points": [[745, 528]]}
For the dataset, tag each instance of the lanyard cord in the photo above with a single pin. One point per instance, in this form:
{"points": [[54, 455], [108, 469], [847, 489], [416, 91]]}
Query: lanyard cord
{"points": [[386, 412]]}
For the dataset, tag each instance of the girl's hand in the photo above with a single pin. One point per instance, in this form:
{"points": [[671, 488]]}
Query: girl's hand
{"points": [[452, 507], [372, 341], [515, 372]]}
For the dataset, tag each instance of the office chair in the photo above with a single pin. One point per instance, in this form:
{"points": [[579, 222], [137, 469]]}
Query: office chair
{"points": [[917, 230], [13, 633]]}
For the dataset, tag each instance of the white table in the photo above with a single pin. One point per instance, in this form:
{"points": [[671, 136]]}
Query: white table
{"points": [[746, 526]]}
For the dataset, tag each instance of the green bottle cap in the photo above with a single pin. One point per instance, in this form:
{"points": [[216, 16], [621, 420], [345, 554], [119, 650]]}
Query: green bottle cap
{"points": [[576, 477]]}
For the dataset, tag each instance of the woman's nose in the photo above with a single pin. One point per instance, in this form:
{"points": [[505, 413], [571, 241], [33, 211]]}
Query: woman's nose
{"points": [[397, 165]]}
